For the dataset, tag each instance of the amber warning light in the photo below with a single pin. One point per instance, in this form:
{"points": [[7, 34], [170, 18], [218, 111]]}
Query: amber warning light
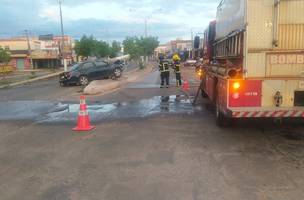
{"points": [[236, 86]]}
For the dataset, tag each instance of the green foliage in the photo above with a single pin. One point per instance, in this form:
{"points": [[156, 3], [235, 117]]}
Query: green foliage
{"points": [[5, 56], [141, 65], [89, 46], [131, 47], [86, 46], [137, 47], [102, 49], [115, 48]]}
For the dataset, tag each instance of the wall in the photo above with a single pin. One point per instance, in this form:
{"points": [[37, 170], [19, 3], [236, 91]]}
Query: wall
{"points": [[19, 44]]}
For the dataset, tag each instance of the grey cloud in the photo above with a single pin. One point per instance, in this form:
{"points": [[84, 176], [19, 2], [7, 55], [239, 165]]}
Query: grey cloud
{"points": [[23, 14]]}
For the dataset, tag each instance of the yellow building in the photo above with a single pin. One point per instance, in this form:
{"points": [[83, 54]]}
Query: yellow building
{"points": [[19, 44], [19, 51]]}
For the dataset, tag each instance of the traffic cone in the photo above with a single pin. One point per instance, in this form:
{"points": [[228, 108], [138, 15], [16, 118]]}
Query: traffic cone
{"points": [[83, 123], [186, 85]]}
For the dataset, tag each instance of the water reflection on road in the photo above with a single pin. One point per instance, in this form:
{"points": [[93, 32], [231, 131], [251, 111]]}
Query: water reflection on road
{"points": [[44, 111]]}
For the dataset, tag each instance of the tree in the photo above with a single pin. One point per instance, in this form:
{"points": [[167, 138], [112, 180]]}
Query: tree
{"points": [[137, 47], [86, 46], [149, 45], [89, 46], [102, 49], [131, 47], [115, 48], [5, 56]]}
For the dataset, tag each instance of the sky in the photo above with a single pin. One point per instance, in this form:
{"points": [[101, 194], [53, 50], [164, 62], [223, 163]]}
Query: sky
{"points": [[107, 19]]}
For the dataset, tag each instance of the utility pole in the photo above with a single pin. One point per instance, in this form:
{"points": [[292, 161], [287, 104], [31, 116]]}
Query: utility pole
{"points": [[192, 45], [62, 38], [29, 48], [146, 36]]}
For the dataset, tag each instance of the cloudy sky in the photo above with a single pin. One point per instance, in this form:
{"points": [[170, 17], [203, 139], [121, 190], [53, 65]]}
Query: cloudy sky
{"points": [[107, 19]]}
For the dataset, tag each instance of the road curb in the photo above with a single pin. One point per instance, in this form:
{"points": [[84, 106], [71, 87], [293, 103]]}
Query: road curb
{"points": [[31, 80]]}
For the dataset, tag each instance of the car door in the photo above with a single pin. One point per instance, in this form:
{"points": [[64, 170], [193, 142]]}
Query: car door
{"points": [[90, 70], [102, 69]]}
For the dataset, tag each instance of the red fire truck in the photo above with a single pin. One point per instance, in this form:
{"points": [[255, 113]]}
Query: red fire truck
{"points": [[254, 60]]}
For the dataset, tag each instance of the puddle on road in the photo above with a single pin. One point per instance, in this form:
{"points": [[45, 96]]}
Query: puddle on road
{"points": [[63, 112]]}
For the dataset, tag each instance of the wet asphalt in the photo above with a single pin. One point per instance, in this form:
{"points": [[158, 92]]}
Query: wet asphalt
{"points": [[148, 144]]}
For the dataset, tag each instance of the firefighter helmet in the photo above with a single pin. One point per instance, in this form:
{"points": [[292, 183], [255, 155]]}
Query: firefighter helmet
{"points": [[176, 57]]}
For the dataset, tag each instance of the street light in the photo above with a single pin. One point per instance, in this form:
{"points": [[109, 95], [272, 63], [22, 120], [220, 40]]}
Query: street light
{"points": [[62, 37]]}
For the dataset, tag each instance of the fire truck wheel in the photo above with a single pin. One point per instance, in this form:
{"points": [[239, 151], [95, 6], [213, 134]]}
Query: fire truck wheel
{"points": [[221, 119]]}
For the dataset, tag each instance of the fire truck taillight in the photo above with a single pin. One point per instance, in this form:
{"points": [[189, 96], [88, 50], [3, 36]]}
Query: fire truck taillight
{"points": [[236, 85], [235, 93]]}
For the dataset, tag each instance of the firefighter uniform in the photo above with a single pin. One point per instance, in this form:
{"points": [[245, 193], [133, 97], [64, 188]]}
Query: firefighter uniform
{"points": [[164, 72], [177, 69]]}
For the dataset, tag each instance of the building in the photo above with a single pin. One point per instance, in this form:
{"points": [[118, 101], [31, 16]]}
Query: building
{"points": [[19, 49], [162, 49], [68, 47], [183, 47], [44, 51], [180, 45]]}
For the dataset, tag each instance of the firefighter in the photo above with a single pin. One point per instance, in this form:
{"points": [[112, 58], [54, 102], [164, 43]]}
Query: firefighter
{"points": [[164, 71], [177, 69]]}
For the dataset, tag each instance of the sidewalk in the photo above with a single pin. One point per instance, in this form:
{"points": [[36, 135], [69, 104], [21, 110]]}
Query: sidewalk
{"points": [[28, 76]]}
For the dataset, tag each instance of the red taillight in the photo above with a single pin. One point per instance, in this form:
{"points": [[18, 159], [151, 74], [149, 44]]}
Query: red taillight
{"points": [[236, 95], [236, 90]]}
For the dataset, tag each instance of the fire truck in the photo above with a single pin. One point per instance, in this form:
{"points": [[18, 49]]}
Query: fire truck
{"points": [[254, 60]]}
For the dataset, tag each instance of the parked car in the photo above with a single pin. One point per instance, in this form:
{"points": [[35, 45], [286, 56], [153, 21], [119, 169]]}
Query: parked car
{"points": [[190, 63], [84, 73]]}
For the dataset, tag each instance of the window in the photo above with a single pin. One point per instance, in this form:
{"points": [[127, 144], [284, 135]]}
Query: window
{"points": [[88, 65], [100, 63], [75, 67]]}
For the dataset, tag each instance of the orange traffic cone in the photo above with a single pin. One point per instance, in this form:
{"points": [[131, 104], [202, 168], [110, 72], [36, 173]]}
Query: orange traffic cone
{"points": [[83, 117], [186, 85]]}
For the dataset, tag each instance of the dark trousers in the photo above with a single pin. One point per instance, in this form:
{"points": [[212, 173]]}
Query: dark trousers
{"points": [[178, 79], [164, 76]]}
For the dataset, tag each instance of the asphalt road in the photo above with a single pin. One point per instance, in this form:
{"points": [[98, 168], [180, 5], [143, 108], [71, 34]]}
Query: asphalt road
{"points": [[148, 144]]}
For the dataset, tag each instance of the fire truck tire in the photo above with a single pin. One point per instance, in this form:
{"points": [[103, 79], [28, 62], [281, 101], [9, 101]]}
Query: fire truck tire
{"points": [[221, 119]]}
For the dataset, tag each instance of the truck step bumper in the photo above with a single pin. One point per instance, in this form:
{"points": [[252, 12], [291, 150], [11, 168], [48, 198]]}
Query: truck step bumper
{"points": [[268, 114]]}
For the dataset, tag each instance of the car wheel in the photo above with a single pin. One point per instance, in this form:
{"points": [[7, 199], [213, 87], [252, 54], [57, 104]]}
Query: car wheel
{"points": [[83, 80], [117, 73]]}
